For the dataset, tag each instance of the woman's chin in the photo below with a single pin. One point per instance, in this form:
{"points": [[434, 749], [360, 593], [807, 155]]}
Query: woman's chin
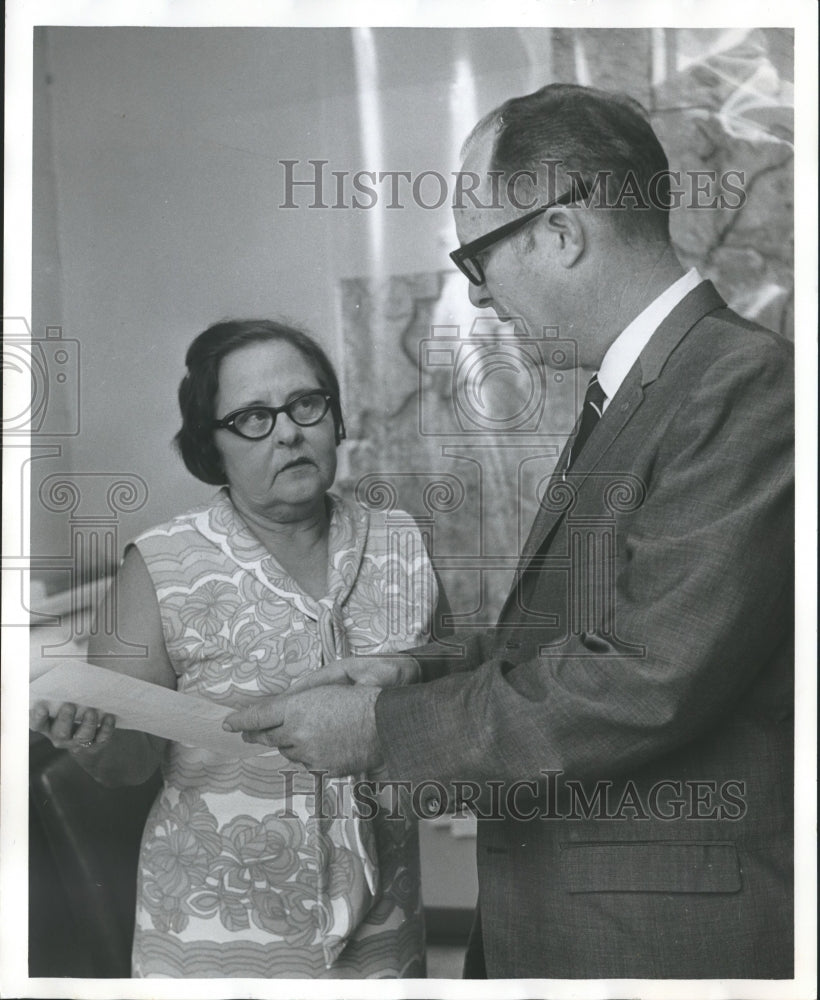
{"points": [[306, 493]]}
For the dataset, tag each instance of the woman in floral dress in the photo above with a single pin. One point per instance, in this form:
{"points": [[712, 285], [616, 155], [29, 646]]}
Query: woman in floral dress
{"points": [[257, 867]]}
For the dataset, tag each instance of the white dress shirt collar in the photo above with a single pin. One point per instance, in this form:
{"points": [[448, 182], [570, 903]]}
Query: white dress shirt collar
{"points": [[624, 351]]}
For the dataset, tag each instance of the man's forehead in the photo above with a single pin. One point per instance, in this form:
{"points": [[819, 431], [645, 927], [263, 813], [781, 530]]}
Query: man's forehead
{"points": [[477, 164], [479, 197], [479, 151]]}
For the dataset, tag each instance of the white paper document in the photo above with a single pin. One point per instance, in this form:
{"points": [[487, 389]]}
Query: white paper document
{"points": [[137, 704]]}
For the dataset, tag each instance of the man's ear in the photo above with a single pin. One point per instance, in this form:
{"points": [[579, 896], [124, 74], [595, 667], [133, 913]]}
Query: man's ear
{"points": [[565, 234]]}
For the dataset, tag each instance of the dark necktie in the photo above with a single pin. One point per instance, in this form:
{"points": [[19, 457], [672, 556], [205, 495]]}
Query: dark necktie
{"points": [[593, 411]]}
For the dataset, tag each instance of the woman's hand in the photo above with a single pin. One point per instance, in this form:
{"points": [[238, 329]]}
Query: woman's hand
{"points": [[376, 671], [81, 730]]}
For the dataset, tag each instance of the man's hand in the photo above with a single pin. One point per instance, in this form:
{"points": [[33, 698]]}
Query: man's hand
{"points": [[328, 727], [378, 671]]}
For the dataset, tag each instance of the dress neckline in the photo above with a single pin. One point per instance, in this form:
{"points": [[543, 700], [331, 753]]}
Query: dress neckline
{"points": [[348, 527]]}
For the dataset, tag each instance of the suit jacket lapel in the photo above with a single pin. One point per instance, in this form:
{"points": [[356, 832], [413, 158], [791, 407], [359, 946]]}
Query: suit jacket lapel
{"points": [[558, 495]]}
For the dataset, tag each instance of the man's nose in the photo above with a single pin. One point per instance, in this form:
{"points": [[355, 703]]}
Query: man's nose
{"points": [[479, 296]]}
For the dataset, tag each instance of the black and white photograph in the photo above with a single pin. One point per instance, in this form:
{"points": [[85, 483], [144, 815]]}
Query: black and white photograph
{"points": [[409, 466]]}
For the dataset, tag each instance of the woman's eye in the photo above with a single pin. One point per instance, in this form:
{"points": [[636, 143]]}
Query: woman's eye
{"points": [[307, 405], [253, 418]]}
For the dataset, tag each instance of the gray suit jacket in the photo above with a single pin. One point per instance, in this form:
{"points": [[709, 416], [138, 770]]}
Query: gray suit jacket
{"points": [[641, 679]]}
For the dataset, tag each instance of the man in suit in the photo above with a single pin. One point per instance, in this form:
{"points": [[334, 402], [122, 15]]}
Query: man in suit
{"points": [[639, 679]]}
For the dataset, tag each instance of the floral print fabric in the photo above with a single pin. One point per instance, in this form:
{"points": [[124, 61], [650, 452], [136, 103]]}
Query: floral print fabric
{"points": [[256, 868]]}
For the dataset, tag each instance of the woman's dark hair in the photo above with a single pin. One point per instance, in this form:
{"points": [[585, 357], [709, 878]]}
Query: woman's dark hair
{"points": [[199, 387]]}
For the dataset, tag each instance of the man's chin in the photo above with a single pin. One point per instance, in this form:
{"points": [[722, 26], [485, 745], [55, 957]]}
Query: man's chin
{"points": [[514, 326], [551, 350]]}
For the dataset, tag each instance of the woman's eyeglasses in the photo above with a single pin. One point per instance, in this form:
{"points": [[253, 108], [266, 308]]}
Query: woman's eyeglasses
{"points": [[257, 422]]}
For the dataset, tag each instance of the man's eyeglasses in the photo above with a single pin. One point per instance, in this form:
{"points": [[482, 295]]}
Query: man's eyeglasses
{"points": [[466, 258], [257, 422]]}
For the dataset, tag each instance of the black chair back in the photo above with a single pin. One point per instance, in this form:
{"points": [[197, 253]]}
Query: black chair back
{"points": [[91, 836]]}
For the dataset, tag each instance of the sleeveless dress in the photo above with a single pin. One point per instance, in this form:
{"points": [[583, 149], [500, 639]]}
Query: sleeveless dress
{"points": [[255, 867]]}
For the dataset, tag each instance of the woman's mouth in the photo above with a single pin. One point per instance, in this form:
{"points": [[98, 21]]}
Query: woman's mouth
{"points": [[296, 463]]}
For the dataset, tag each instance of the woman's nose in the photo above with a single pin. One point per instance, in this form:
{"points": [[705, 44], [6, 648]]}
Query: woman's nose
{"points": [[286, 431]]}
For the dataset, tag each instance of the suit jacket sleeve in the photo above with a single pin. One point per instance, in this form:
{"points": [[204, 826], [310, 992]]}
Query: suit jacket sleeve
{"points": [[452, 652], [704, 575]]}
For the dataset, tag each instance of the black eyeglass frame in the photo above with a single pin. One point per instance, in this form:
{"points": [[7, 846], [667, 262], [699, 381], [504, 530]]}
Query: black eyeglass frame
{"points": [[470, 250], [228, 422]]}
